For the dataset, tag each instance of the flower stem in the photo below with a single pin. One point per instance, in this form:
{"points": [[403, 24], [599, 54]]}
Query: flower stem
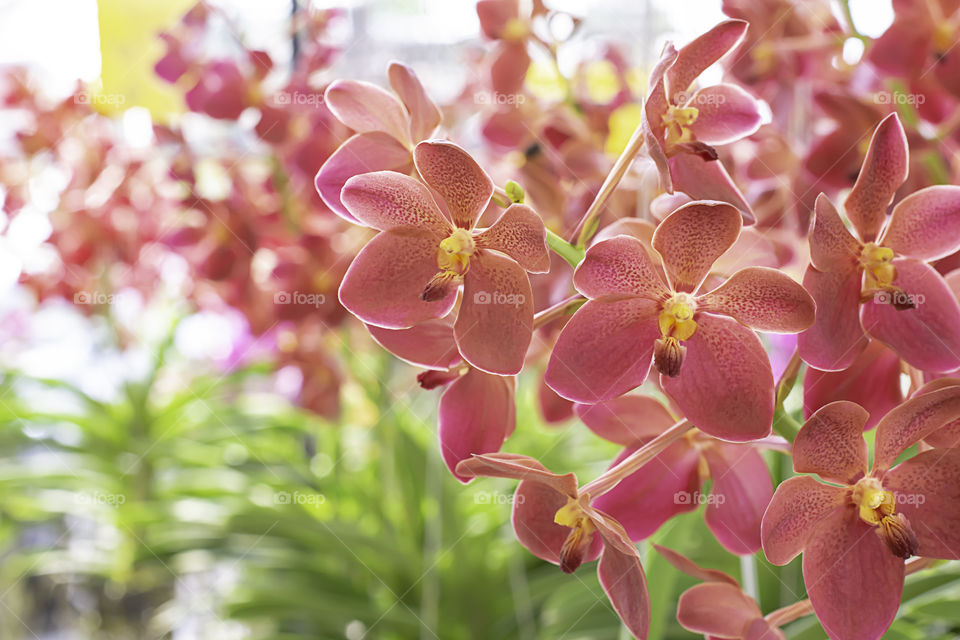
{"points": [[612, 477], [785, 425], [562, 308], [573, 255], [588, 224], [789, 378]]}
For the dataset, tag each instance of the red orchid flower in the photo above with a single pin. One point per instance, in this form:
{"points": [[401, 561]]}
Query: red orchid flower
{"points": [[879, 282], [411, 271], [387, 127], [681, 127], [921, 40], [672, 482], [718, 607], [855, 537], [711, 365], [557, 523], [477, 410]]}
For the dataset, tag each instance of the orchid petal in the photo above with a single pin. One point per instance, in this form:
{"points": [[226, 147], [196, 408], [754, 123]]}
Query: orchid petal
{"points": [[928, 494], [424, 114], [621, 576], [843, 556], [682, 563], [518, 467], [831, 245], [725, 386], [947, 436], [836, 337], [797, 507], [494, 16], [926, 336], [382, 287], [912, 421], [741, 491], [659, 490], [763, 299], [520, 234], [708, 180], [653, 110], [831, 443], [452, 173], [726, 113], [605, 350], [618, 266], [884, 169], [429, 344], [926, 224], [477, 413], [626, 420], [534, 507], [366, 107], [696, 56], [390, 200], [495, 323], [716, 609], [692, 238], [508, 70]]}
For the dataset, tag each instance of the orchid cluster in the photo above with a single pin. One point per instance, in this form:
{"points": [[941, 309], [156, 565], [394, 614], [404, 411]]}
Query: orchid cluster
{"points": [[665, 282]]}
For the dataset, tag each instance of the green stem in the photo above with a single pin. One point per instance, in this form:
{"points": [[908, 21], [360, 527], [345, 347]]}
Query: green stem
{"points": [[573, 255], [785, 425]]}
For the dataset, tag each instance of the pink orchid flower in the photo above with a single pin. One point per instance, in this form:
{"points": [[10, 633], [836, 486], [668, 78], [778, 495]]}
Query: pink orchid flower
{"points": [[387, 127], [557, 523], [879, 282], [681, 127], [711, 364], [411, 271], [718, 607], [872, 381], [855, 537], [462, 429], [947, 436], [672, 482], [500, 21]]}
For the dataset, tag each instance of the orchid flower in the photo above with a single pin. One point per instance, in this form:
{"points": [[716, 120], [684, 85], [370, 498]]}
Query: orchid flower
{"points": [[718, 607], [387, 127], [412, 269], [711, 364], [855, 537], [477, 410], [501, 21], [879, 282], [682, 127], [672, 483], [557, 523]]}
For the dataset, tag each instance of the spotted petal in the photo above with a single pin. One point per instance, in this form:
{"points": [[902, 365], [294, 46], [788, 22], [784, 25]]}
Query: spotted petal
{"points": [[914, 420], [726, 113], [389, 200], [725, 386], [836, 337], [708, 180], [926, 224], [604, 350], [926, 336], [764, 299], [928, 494], [520, 234], [831, 443], [831, 245], [843, 557], [692, 238], [518, 467], [495, 323], [884, 169], [622, 578], [797, 507], [429, 344], [696, 56], [424, 114], [452, 173], [618, 266], [382, 287], [717, 609]]}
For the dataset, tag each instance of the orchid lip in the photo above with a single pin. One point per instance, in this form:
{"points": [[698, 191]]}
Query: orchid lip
{"points": [[877, 508]]}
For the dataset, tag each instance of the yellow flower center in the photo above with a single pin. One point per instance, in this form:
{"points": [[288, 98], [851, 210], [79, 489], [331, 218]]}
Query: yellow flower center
{"points": [[455, 251], [877, 508], [515, 30], [578, 541], [678, 121], [876, 261], [676, 325], [943, 36]]}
